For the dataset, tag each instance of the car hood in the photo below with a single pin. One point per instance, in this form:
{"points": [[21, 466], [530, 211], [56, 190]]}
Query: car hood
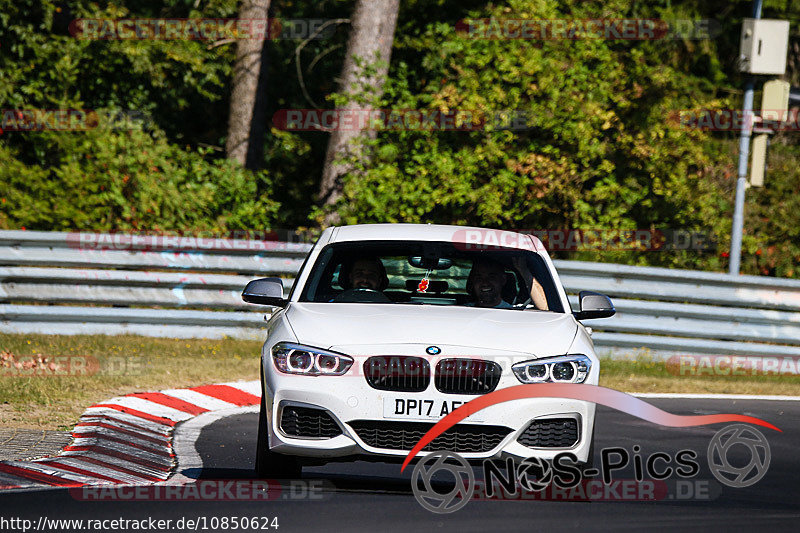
{"points": [[338, 325]]}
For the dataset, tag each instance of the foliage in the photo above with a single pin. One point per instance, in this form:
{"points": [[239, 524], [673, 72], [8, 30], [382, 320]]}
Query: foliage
{"points": [[772, 246], [132, 180], [598, 151], [156, 175]]}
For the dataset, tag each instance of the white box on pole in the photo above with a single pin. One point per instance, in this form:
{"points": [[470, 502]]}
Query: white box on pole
{"points": [[764, 45]]}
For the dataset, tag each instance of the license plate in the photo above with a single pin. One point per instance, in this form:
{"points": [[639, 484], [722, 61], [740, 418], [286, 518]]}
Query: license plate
{"points": [[420, 408]]}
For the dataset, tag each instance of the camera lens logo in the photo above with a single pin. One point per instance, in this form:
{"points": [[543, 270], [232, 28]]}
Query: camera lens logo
{"points": [[459, 471], [736, 442], [535, 474]]}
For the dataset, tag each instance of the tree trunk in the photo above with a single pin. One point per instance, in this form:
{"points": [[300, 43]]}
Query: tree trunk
{"points": [[371, 38], [247, 121]]}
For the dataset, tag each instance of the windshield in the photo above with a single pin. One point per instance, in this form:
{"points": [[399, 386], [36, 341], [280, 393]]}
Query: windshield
{"points": [[431, 273]]}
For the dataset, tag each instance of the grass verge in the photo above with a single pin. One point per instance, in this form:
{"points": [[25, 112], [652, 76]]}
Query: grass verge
{"points": [[646, 375], [104, 366]]}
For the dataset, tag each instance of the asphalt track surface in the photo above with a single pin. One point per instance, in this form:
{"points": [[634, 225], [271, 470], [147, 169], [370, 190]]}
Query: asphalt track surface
{"points": [[365, 496]]}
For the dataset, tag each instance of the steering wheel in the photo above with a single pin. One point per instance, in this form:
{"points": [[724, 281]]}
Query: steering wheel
{"points": [[362, 296]]}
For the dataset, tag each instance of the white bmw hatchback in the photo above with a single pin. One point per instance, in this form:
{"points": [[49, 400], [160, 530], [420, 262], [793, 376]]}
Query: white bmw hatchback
{"points": [[390, 327]]}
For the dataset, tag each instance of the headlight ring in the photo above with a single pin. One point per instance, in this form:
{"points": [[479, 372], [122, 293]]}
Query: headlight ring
{"points": [[572, 368], [291, 358]]}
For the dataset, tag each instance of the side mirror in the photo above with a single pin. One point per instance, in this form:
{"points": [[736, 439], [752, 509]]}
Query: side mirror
{"points": [[265, 291], [594, 305]]}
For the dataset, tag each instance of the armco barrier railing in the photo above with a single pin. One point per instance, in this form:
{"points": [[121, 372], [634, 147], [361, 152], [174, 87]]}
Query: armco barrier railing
{"points": [[87, 283], [71, 283]]}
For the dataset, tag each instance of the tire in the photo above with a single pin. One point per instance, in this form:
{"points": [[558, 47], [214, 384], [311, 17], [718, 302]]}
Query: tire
{"points": [[270, 465]]}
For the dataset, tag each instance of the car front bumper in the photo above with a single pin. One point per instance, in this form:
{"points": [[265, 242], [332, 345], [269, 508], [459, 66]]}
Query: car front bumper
{"points": [[350, 401]]}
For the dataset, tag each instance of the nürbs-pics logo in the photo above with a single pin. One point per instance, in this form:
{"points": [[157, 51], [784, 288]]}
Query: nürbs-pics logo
{"points": [[563, 478]]}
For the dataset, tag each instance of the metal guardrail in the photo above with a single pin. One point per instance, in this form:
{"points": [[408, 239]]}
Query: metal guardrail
{"points": [[70, 283], [117, 279], [681, 311]]}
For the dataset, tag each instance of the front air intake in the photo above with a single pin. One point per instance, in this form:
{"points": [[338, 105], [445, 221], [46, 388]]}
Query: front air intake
{"points": [[308, 423], [550, 433], [461, 438], [398, 373], [467, 376]]}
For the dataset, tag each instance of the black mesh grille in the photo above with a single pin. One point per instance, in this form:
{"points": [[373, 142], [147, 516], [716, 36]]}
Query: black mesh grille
{"points": [[467, 376], [398, 373], [405, 435], [308, 423], [550, 433]]}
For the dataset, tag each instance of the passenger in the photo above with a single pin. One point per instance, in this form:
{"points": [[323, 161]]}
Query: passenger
{"points": [[538, 297], [486, 281]]}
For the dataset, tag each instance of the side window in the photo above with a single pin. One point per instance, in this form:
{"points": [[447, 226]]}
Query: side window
{"points": [[319, 278], [542, 275]]}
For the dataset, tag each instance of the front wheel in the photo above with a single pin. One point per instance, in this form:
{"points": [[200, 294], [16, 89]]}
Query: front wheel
{"points": [[271, 465]]}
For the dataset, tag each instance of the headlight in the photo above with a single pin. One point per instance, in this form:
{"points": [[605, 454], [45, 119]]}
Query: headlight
{"points": [[292, 358], [561, 369]]}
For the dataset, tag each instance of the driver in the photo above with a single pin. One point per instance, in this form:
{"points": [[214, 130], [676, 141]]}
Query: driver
{"points": [[366, 273]]}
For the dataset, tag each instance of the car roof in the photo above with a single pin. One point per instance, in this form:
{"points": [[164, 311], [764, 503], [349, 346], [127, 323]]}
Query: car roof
{"points": [[470, 236]]}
